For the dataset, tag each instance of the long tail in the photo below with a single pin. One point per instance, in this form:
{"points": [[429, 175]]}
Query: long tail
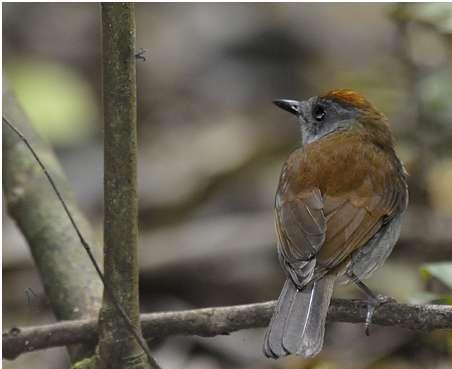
{"points": [[298, 323]]}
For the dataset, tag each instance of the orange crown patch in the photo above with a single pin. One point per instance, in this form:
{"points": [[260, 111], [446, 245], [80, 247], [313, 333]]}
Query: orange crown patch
{"points": [[349, 97]]}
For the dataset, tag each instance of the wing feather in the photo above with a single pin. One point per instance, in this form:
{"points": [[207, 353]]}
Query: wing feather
{"points": [[319, 231]]}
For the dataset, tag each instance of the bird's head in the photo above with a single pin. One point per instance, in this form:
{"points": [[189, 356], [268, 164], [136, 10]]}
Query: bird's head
{"points": [[335, 111]]}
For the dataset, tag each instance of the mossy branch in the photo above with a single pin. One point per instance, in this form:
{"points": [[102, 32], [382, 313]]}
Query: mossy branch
{"points": [[119, 345]]}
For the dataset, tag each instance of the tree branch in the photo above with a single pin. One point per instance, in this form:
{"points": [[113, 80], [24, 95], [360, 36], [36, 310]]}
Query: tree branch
{"points": [[210, 322], [69, 280], [121, 345]]}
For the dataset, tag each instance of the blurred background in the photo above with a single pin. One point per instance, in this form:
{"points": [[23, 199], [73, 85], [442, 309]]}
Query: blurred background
{"points": [[211, 148]]}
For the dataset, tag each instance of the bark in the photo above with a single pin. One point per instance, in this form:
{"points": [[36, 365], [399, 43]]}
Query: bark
{"points": [[120, 345], [69, 279], [210, 322]]}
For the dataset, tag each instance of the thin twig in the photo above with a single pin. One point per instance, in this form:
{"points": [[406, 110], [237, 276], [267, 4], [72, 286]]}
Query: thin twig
{"points": [[133, 330], [210, 322]]}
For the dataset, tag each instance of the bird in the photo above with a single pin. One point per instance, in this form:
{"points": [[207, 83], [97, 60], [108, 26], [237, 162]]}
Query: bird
{"points": [[338, 213]]}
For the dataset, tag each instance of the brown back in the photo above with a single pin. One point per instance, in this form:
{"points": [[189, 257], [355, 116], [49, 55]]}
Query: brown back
{"points": [[333, 196]]}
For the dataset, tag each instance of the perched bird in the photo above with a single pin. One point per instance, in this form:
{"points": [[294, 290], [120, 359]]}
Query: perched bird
{"points": [[338, 212]]}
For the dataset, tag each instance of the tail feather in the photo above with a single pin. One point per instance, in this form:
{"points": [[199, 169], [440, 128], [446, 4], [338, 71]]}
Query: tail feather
{"points": [[298, 324], [272, 343]]}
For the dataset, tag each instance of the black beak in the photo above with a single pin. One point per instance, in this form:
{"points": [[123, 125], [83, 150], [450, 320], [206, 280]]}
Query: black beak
{"points": [[292, 106]]}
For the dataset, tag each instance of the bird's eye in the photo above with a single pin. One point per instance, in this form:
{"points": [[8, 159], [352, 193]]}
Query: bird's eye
{"points": [[319, 113]]}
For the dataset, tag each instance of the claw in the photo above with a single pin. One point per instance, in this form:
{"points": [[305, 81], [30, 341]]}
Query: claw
{"points": [[371, 306], [373, 301]]}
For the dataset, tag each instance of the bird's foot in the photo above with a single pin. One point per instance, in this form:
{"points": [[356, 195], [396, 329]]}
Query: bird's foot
{"points": [[373, 302]]}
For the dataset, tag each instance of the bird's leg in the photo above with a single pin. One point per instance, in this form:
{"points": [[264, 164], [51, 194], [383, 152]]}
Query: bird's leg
{"points": [[372, 303], [373, 300]]}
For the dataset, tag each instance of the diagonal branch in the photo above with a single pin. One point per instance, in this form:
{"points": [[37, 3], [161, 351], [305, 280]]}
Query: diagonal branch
{"points": [[210, 322], [69, 280], [108, 290]]}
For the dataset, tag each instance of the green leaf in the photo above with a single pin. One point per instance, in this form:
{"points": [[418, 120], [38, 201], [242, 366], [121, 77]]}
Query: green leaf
{"points": [[441, 271]]}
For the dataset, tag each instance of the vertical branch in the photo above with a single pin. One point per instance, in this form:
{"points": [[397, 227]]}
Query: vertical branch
{"points": [[69, 279], [118, 348]]}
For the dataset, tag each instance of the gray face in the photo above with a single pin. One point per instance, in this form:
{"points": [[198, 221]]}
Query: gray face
{"points": [[319, 117]]}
